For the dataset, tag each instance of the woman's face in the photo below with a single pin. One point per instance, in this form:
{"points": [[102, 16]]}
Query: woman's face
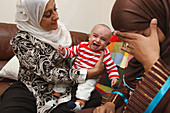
{"points": [[50, 17]]}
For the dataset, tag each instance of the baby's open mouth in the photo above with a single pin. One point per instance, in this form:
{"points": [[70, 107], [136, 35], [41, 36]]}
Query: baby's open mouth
{"points": [[96, 45]]}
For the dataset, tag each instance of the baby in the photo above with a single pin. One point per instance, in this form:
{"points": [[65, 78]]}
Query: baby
{"points": [[87, 54]]}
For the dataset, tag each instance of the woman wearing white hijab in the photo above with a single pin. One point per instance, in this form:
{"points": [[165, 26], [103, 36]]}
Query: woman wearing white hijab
{"points": [[45, 79]]}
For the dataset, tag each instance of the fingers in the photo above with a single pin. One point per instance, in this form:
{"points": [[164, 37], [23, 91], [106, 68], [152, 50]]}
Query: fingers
{"points": [[153, 27], [101, 61], [126, 35], [114, 82], [101, 57], [96, 110], [126, 50], [99, 109], [61, 50], [60, 47]]}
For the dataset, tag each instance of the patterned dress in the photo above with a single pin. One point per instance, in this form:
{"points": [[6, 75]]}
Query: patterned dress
{"points": [[44, 71]]}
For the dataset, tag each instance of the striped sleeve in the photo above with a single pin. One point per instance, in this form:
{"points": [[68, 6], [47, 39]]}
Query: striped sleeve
{"points": [[110, 65], [145, 91], [151, 85], [71, 52]]}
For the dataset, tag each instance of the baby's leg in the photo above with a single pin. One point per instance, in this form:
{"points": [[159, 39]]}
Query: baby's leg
{"points": [[83, 94]]}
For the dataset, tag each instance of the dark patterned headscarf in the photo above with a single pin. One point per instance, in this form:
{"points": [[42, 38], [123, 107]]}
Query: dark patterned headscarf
{"points": [[132, 15]]}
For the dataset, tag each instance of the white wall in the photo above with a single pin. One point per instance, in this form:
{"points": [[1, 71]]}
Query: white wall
{"points": [[77, 15], [7, 11]]}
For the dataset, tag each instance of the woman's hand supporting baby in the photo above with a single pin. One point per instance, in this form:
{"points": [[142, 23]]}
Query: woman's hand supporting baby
{"points": [[98, 68]]}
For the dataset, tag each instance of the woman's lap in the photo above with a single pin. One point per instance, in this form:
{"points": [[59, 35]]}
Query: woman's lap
{"points": [[94, 101], [17, 98]]}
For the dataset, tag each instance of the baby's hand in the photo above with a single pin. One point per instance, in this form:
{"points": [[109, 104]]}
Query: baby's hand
{"points": [[61, 50], [114, 82]]}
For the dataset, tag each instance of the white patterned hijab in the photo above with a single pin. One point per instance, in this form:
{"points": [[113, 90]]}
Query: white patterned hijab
{"points": [[28, 17]]}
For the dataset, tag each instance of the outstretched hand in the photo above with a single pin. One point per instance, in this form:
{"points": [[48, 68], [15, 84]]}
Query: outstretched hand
{"points": [[114, 82], [145, 49], [61, 50]]}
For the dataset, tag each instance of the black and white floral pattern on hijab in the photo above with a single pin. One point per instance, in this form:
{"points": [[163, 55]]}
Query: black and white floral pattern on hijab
{"points": [[28, 17]]}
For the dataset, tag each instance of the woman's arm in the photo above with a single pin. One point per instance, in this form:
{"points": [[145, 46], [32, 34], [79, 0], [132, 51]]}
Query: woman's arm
{"points": [[153, 86], [147, 89], [98, 69], [42, 60]]}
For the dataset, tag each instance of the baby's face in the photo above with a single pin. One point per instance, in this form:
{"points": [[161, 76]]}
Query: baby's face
{"points": [[99, 38]]}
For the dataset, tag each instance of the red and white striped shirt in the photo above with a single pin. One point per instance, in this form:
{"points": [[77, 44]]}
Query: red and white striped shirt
{"points": [[86, 58]]}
